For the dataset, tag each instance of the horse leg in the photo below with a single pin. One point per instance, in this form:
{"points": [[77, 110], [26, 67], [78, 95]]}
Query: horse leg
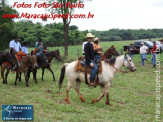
{"points": [[107, 94], [20, 77], [52, 73], [2, 74], [101, 96], [26, 78], [6, 75], [16, 78], [78, 91], [67, 92], [43, 73], [34, 75]]}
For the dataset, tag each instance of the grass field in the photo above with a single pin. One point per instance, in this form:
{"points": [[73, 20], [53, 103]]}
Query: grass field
{"points": [[133, 95]]}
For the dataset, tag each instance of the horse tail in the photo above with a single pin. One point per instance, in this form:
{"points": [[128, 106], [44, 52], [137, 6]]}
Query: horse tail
{"points": [[62, 75]]}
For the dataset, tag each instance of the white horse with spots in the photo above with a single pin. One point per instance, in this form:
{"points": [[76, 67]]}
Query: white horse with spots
{"points": [[105, 78]]}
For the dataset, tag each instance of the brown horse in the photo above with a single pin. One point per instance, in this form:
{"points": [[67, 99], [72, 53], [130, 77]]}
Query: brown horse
{"points": [[49, 57], [10, 58], [109, 53], [25, 62]]}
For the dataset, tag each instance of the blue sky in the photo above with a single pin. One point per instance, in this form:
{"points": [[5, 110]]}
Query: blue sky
{"points": [[122, 14]]}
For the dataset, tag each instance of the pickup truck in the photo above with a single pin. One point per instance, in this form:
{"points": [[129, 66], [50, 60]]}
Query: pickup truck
{"points": [[137, 45]]}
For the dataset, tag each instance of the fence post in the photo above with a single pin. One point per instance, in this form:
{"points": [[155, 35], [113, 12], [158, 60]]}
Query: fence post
{"points": [[121, 52], [78, 53]]}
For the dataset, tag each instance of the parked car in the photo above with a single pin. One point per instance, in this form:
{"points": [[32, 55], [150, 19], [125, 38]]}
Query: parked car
{"points": [[160, 46], [137, 45]]}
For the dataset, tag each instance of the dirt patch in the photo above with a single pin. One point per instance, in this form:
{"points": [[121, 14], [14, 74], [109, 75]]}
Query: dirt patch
{"points": [[49, 91], [60, 101]]}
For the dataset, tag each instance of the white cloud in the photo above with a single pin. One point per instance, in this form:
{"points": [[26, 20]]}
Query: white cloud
{"points": [[124, 14]]}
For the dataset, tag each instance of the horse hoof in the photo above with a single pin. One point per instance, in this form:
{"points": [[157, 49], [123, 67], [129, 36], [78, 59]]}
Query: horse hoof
{"points": [[109, 104], [27, 85], [67, 101], [82, 99]]}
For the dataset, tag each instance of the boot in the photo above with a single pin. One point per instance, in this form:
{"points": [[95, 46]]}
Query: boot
{"points": [[154, 65], [92, 82]]}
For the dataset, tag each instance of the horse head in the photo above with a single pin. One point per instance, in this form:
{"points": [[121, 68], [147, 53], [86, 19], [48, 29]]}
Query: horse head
{"points": [[33, 60], [57, 55], [111, 52], [129, 64]]}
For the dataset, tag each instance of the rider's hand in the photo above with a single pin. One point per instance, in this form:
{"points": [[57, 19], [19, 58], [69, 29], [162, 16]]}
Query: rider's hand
{"points": [[91, 64]]}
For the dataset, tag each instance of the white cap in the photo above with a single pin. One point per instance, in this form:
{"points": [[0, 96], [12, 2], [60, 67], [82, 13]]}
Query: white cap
{"points": [[142, 43]]}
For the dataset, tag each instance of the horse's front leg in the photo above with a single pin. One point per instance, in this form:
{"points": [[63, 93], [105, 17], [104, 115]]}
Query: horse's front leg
{"points": [[43, 73], [26, 79], [78, 91], [52, 73], [107, 86], [67, 92], [101, 96], [2, 74], [35, 75], [6, 75], [20, 77], [16, 78]]}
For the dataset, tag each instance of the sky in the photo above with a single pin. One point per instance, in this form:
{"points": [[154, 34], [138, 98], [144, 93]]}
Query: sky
{"points": [[108, 14]]}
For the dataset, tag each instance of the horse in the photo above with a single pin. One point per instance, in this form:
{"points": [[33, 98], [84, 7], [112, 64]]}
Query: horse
{"points": [[110, 67], [50, 56], [25, 62], [10, 58], [42, 62], [107, 54], [110, 52]]}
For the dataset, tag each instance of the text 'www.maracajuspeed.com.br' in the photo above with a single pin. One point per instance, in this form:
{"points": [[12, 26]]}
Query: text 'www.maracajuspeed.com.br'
{"points": [[49, 16]]}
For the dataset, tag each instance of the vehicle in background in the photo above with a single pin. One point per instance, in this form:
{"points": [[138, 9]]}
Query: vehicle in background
{"points": [[137, 45], [160, 46]]}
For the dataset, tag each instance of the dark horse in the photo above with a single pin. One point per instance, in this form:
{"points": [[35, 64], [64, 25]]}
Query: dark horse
{"points": [[42, 62], [49, 57], [10, 58]]}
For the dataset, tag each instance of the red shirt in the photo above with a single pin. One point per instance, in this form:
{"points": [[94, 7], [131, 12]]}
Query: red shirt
{"points": [[154, 48]]}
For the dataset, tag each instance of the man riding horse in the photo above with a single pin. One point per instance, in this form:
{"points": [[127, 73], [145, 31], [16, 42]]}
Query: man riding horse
{"points": [[89, 58], [39, 48]]}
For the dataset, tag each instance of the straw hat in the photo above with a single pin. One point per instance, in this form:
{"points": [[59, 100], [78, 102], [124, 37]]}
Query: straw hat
{"points": [[89, 35], [96, 39]]}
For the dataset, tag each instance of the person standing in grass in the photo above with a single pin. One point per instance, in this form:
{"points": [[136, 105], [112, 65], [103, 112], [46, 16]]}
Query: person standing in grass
{"points": [[143, 51], [131, 51], [153, 59]]}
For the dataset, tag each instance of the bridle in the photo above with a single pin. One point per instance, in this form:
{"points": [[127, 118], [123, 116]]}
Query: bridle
{"points": [[125, 59]]}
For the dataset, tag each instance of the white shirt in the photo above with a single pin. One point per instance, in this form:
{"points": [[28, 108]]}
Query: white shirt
{"points": [[83, 46], [143, 49], [16, 45], [25, 49]]}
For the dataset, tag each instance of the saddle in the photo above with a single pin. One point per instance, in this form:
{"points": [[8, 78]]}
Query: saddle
{"points": [[81, 66]]}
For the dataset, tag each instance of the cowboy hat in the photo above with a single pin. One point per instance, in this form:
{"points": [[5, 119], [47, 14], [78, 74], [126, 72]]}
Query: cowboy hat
{"points": [[96, 39], [142, 43], [89, 35]]}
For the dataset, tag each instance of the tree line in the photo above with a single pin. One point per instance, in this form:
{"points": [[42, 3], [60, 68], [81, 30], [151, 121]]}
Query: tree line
{"points": [[53, 34]]}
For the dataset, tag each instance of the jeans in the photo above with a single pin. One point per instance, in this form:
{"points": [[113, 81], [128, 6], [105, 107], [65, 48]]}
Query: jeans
{"points": [[143, 57], [97, 57], [94, 70], [153, 59], [131, 56]]}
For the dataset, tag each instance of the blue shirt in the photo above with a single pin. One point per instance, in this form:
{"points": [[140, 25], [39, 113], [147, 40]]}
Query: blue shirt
{"points": [[40, 50], [25, 49]]}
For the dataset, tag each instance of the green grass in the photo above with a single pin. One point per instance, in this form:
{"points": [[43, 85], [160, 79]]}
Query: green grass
{"points": [[132, 94]]}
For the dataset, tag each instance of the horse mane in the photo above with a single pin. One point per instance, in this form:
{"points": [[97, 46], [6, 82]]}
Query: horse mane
{"points": [[110, 61], [49, 53]]}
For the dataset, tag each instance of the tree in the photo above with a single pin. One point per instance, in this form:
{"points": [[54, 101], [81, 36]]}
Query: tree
{"points": [[6, 25], [64, 10]]}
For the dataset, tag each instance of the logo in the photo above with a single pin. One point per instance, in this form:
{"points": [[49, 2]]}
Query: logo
{"points": [[17, 112]]}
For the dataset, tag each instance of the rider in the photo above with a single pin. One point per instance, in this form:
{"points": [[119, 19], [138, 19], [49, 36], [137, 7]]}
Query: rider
{"points": [[89, 58], [15, 45], [97, 49], [25, 48], [39, 48]]}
